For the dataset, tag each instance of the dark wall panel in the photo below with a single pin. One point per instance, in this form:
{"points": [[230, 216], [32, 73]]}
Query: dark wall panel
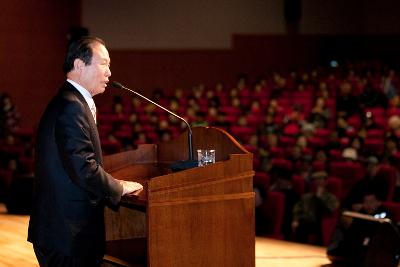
{"points": [[33, 42]]}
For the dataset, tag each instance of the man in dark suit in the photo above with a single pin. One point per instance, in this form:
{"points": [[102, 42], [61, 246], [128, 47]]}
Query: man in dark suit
{"points": [[72, 188]]}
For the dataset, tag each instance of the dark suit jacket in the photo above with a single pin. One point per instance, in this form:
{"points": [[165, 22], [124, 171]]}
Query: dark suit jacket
{"points": [[71, 186]]}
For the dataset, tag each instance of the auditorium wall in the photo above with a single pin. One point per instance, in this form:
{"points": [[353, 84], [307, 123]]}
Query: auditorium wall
{"points": [[179, 43], [32, 44], [193, 24]]}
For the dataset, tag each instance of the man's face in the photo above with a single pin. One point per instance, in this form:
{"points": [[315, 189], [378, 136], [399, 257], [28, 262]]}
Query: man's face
{"points": [[94, 77], [371, 203]]}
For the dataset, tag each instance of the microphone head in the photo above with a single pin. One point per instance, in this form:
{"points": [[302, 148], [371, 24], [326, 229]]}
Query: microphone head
{"points": [[117, 85]]}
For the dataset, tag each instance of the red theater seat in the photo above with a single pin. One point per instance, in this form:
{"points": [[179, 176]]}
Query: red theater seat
{"points": [[348, 172], [110, 147], [291, 129], [328, 225], [276, 152], [376, 111], [316, 142], [261, 179], [273, 209], [388, 173], [335, 154], [230, 110], [282, 163], [318, 165], [375, 133], [323, 133], [286, 141], [299, 184], [374, 146], [394, 209], [393, 111], [243, 133], [334, 185]]}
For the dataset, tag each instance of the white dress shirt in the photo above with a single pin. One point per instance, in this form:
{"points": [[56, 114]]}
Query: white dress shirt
{"points": [[88, 97]]}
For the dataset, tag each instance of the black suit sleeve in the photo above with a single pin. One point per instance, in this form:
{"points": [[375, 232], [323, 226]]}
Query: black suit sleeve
{"points": [[77, 152]]}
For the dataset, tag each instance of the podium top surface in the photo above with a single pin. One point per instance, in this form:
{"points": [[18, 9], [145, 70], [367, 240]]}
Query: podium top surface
{"points": [[149, 164]]}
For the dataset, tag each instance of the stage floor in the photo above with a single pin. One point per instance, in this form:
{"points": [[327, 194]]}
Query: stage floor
{"points": [[274, 253], [15, 251]]}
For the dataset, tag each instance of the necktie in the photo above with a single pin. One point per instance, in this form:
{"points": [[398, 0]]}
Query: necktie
{"points": [[93, 109]]}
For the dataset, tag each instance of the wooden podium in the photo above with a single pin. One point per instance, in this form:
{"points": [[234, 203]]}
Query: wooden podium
{"points": [[202, 216]]}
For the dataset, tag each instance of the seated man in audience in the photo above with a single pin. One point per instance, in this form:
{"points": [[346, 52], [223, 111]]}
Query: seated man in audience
{"points": [[372, 182], [353, 235], [309, 211]]}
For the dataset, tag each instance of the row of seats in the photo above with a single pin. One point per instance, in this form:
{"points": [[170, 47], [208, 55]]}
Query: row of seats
{"points": [[273, 207]]}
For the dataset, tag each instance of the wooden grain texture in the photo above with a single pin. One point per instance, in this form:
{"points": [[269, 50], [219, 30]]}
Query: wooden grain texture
{"points": [[126, 223], [205, 231], [202, 216]]}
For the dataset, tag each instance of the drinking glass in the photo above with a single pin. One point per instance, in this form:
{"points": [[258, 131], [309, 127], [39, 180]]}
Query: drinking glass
{"points": [[205, 156]]}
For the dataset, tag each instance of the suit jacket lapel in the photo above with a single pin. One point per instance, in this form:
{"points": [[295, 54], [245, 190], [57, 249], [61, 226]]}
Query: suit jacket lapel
{"points": [[94, 134]]}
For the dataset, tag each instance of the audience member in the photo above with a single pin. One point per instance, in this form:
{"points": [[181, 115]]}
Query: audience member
{"points": [[372, 182], [346, 102], [285, 125], [391, 148], [320, 113], [372, 97], [267, 126], [352, 236], [9, 115], [389, 84], [309, 211]]}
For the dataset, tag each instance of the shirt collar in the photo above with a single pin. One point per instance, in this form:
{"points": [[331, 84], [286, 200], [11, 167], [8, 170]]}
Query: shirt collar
{"points": [[85, 93]]}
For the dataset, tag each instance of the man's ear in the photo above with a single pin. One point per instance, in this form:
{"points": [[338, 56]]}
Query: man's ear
{"points": [[78, 64]]}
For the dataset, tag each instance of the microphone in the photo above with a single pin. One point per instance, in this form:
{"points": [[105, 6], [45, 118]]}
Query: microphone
{"points": [[181, 165]]}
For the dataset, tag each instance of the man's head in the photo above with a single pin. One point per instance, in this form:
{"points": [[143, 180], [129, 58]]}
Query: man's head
{"points": [[88, 63], [319, 178], [371, 202], [372, 166]]}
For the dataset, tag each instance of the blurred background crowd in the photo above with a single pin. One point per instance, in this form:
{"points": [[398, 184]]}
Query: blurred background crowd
{"points": [[323, 140]]}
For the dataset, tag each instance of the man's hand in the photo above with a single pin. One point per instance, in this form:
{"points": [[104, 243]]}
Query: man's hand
{"points": [[130, 187]]}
